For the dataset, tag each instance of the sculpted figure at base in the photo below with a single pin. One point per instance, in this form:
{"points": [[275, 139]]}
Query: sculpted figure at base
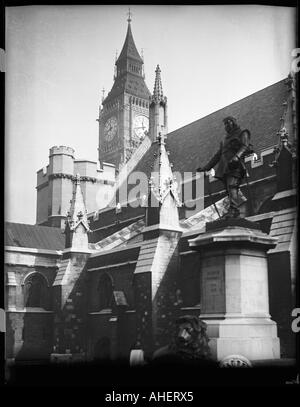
{"points": [[230, 159], [189, 344]]}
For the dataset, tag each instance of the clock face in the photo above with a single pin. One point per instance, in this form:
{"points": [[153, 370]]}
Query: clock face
{"points": [[140, 126], [110, 128]]}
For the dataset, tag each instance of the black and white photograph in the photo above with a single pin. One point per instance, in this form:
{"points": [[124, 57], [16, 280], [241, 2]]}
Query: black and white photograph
{"points": [[150, 198]]}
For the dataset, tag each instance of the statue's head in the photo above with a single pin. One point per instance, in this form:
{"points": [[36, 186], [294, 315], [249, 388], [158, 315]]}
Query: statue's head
{"points": [[230, 124], [189, 328]]}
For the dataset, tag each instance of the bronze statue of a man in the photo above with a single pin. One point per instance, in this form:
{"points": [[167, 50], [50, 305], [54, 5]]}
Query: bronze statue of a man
{"points": [[230, 159]]}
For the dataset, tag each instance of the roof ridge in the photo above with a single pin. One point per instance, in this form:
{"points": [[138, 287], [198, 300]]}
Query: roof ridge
{"points": [[237, 101]]}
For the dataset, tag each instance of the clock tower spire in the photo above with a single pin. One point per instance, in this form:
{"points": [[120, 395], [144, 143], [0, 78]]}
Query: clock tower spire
{"points": [[124, 116]]}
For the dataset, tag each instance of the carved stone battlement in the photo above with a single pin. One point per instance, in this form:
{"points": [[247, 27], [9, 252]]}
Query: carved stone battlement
{"points": [[55, 150]]}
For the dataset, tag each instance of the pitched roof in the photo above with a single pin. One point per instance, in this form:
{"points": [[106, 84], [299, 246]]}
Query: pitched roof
{"points": [[283, 227], [130, 83], [34, 236], [129, 49], [191, 146], [125, 256]]}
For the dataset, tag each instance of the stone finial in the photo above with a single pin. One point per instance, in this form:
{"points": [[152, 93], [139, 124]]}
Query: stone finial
{"points": [[129, 16], [77, 179], [161, 138]]}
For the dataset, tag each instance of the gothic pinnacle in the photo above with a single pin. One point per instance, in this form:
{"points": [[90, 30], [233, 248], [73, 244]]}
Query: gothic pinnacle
{"points": [[158, 91]]}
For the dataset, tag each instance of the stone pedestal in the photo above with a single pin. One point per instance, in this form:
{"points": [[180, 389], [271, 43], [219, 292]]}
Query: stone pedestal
{"points": [[234, 290]]}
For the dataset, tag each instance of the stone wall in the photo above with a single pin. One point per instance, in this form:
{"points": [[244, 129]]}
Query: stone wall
{"points": [[29, 335], [281, 303], [29, 331], [111, 336]]}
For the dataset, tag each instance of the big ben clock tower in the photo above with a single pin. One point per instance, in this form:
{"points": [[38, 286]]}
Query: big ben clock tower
{"points": [[124, 115]]}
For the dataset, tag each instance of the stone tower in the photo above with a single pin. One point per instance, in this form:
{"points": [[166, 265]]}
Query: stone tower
{"points": [[54, 187], [124, 114]]}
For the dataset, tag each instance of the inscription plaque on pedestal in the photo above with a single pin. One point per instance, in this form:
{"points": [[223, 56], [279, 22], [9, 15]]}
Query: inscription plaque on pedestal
{"points": [[213, 292]]}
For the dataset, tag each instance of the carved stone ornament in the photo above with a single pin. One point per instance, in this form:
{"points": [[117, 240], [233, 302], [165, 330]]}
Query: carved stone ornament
{"points": [[235, 361]]}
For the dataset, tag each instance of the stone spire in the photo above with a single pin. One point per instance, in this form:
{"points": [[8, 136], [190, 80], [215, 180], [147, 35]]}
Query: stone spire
{"points": [[158, 113], [129, 49], [128, 66], [157, 91], [77, 225], [163, 193], [166, 181]]}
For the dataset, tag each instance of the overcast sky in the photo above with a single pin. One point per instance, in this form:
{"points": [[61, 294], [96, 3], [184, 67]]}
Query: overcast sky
{"points": [[60, 57]]}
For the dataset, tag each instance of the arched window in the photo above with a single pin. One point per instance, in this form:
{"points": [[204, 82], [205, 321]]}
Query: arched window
{"points": [[105, 291], [35, 291]]}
